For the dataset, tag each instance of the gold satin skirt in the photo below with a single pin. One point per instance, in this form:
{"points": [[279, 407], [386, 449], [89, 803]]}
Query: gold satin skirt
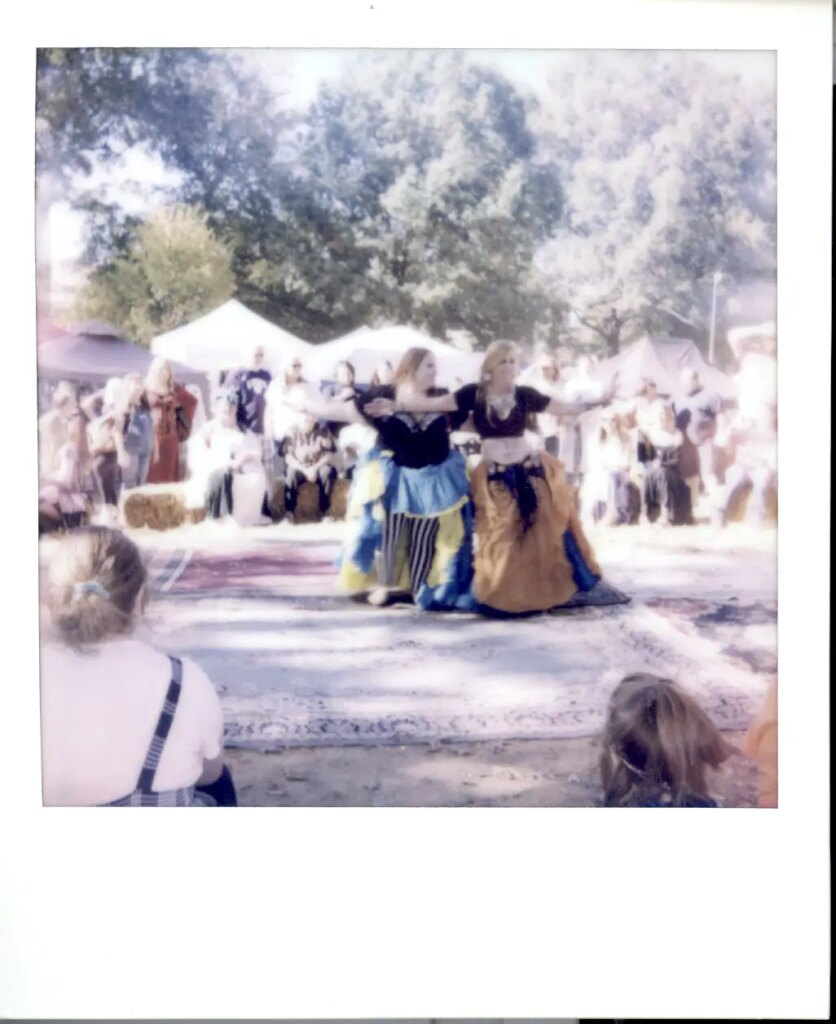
{"points": [[525, 572]]}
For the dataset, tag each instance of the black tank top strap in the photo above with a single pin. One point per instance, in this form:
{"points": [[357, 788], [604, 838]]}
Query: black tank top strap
{"points": [[152, 758]]}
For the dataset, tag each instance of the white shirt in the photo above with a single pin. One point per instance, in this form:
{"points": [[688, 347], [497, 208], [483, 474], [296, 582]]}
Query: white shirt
{"points": [[98, 715], [281, 419], [757, 383]]}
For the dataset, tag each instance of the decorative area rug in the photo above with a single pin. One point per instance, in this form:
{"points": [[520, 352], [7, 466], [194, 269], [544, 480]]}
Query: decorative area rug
{"points": [[298, 666]]}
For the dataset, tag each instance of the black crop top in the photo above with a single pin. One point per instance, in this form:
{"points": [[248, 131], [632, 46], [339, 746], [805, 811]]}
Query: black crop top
{"points": [[526, 401], [416, 440]]}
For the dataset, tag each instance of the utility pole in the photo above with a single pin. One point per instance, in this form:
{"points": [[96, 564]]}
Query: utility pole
{"points": [[717, 278]]}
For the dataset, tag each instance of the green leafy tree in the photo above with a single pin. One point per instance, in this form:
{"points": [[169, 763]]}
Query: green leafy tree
{"points": [[174, 271], [419, 201], [670, 176]]}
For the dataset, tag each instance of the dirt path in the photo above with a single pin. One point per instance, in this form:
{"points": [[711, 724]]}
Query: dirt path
{"points": [[515, 773]]}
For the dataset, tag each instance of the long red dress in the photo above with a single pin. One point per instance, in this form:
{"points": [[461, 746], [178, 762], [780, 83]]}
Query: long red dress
{"points": [[165, 461]]}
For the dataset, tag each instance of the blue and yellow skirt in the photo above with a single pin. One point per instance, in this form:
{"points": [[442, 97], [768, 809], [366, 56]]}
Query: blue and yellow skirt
{"points": [[442, 492]]}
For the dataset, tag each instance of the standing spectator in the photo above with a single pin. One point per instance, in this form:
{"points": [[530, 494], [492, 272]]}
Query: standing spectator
{"points": [[697, 413], [280, 418], [252, 385], [309, 452], [545, 377], [343, 390], [757, 377], [172, 407], [138, 429], [666, 495], [383, 375], [615, 456], [107, 449], [646, 410], [54, 425], [581, 386]]}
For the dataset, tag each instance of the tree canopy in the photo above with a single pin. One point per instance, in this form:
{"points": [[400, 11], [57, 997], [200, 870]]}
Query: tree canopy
{"points": [[422, 188]]}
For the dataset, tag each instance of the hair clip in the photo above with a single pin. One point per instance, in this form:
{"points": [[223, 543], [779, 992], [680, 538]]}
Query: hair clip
{"points": [[90, 587]]}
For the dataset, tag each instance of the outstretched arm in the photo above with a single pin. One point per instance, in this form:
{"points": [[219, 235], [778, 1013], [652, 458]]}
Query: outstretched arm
{"points": [[380, 407], [325, 409], [557, 407]]}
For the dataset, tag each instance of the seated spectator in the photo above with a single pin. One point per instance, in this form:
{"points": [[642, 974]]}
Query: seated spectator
{"points": [[658, 746], [754, 465], [122, 723], [64, 460], [227, 474], [667, 498], [61, 500], [309, 452]]}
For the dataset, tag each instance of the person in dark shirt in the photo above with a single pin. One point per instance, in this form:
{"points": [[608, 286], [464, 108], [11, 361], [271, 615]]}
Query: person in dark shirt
{"points": [[409, 512], [341, 389], [251, 386], [697, 412], [531, 552], [658, 746]]}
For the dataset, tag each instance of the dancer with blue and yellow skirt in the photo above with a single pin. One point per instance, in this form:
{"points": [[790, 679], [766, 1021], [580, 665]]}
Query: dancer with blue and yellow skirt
{"points": [[409, 517]]}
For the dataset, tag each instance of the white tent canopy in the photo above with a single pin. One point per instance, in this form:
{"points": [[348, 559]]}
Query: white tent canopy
{"points": [[225, 338], [368, 347]]}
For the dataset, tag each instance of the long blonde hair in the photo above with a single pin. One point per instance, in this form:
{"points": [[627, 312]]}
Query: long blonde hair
{"points": [[160, 376], [95, 578], [409, 363], [494, 354], [657, 742]]}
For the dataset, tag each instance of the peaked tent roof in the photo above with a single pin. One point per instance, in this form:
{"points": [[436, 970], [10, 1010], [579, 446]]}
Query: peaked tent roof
{"points": [[366, 347], [97, 358], [224, 340], [661, 360]]}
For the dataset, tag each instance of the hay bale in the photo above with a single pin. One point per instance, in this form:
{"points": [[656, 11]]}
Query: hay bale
{"points": [[156, 506], [737, 507], [307, 504], [339, 499], [275, 500]]}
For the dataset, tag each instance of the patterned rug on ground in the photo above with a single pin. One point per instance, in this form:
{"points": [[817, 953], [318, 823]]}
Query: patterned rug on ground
{"points": [[298, 666]]}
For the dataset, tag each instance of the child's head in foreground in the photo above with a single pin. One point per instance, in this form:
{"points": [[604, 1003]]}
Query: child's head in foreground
{"points": [[658, 744], [96, 586]]}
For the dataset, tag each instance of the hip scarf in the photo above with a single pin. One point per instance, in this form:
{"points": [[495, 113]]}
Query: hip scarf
{"points": [[517, 480]]}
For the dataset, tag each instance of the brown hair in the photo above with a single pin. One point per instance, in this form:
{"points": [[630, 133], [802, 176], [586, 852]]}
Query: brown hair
{"points": [[657, 743], [95, 578], [409, 363]]}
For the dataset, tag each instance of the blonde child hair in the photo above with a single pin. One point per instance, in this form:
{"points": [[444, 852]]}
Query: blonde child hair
{"points": [[657, 744], [96, 582]]}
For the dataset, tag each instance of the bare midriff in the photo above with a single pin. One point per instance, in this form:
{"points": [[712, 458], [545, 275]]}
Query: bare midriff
{"points": [[506, 450]]}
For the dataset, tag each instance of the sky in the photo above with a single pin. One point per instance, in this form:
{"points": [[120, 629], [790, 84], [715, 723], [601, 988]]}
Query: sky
{"points": [[297, 74]]}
